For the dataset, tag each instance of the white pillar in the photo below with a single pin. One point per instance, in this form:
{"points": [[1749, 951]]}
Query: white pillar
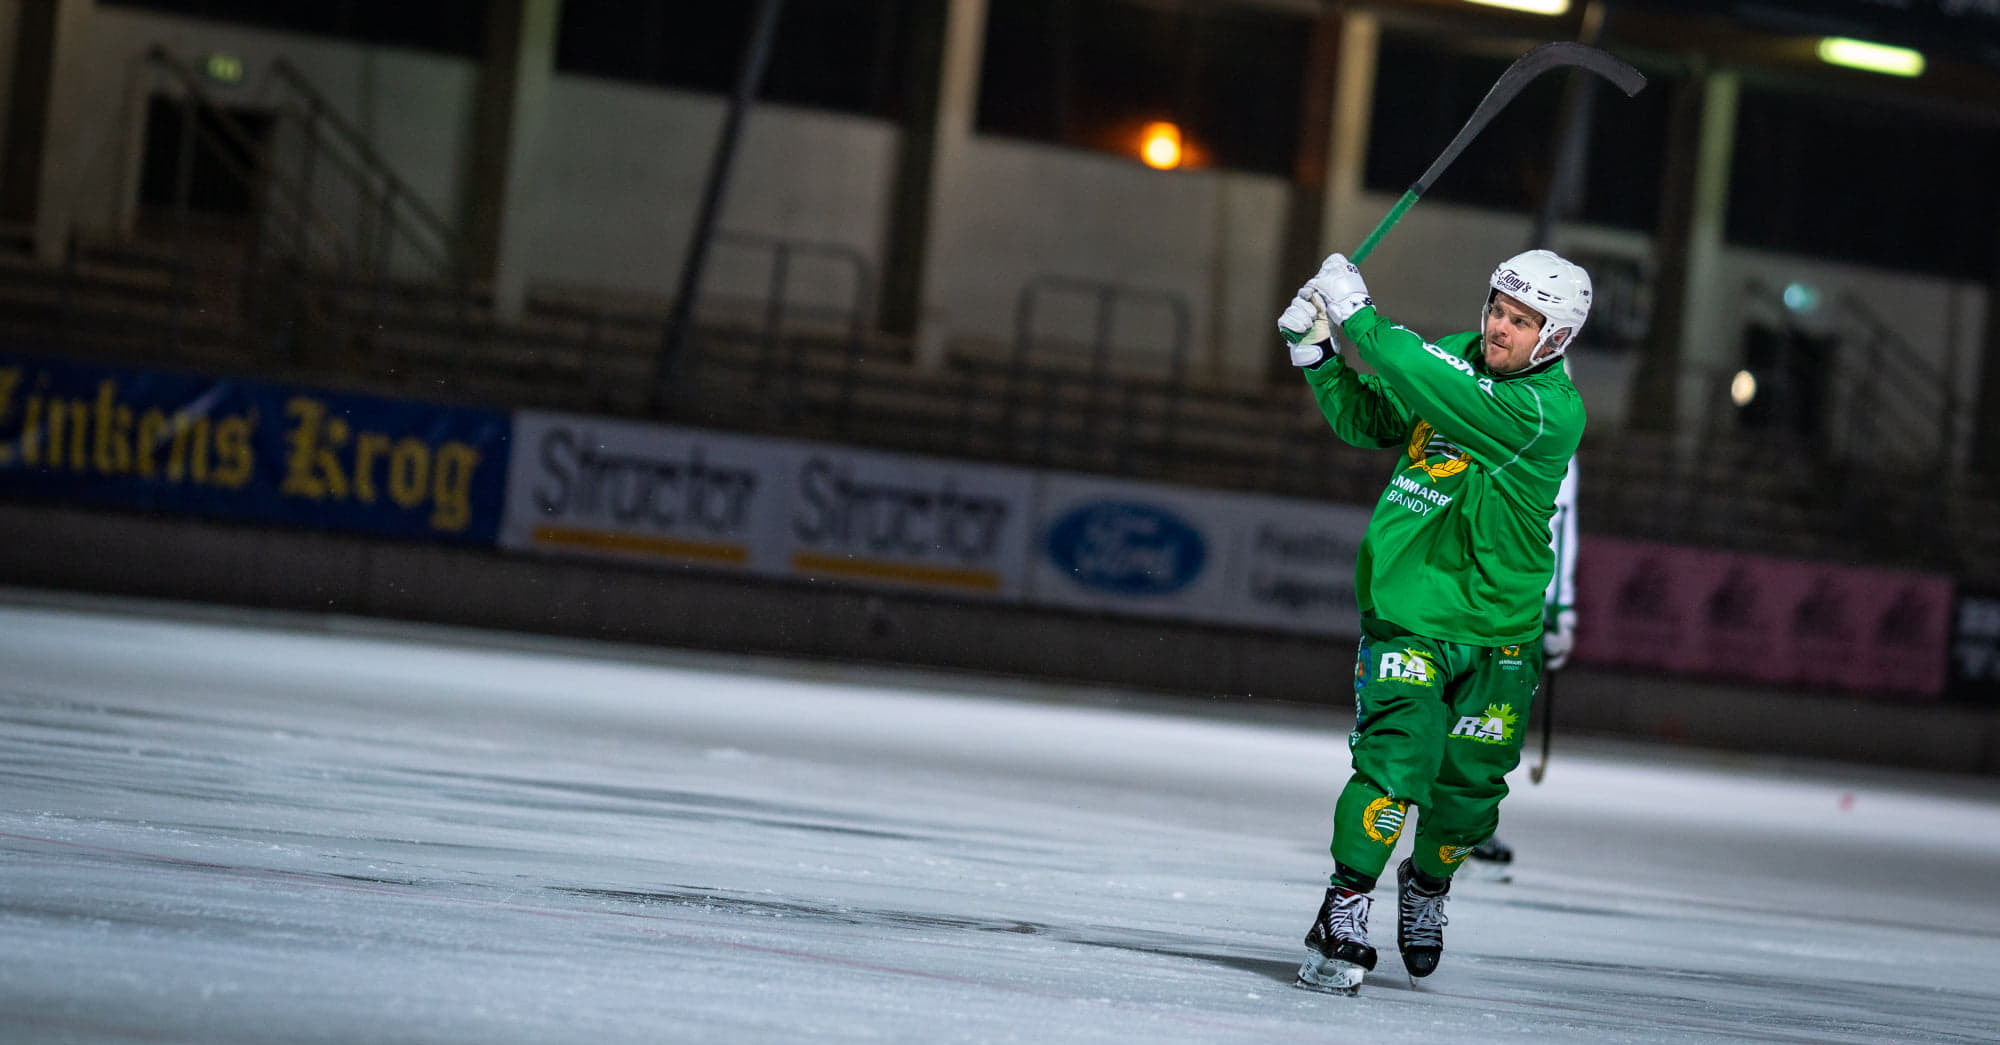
{"points": [[65, 131], [1708, 336], [1347, 145], [958, 110], [520, 76]]}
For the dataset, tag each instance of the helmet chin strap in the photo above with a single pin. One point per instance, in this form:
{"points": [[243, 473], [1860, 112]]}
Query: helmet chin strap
{"points": [[1556, 340]]}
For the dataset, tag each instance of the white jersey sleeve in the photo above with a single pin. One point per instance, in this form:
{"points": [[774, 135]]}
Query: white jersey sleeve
{"points": [[1562, 538]]}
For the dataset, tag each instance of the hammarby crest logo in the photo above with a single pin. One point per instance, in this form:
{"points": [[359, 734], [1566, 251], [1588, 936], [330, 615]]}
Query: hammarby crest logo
{"points": [[1127, 548], [1425, 443], [1383, 819]]}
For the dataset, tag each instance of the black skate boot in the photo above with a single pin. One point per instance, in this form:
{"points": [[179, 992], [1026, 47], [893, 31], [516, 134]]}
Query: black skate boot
{"points": [[1337, 950], [1492, 860], [1419, 922]]}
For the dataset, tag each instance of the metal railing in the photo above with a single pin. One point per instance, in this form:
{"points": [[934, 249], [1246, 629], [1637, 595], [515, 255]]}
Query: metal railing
{"points": [[1899, 407], [394, 212], [330, 215], [769, 321], [1105, 301]]}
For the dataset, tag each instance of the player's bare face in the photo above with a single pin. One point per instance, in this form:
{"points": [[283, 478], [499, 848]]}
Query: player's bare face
{"points": [[1511, 331]]}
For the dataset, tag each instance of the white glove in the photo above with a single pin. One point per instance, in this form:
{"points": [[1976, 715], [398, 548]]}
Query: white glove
{"points": [[1558, 639], [1340, 288], [1306, 329]]}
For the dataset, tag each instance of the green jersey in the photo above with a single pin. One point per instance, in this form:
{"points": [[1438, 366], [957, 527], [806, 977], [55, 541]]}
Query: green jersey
{"points": [[1458, 546]]}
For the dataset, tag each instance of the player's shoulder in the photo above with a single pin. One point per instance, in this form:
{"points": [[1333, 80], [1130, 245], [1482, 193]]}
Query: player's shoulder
{"points": [[1557, 401]]}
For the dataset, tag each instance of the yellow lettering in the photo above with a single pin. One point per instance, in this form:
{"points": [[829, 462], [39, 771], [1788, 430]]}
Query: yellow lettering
{"points": [[114, 429], [367, 447], [303, 439], [327, 460], [177, 454], [452, 492], [75, 414], [409, 471], [236, 460], [198, 450], [152, 433], [31, 432], [406, 470], [313, 469]]}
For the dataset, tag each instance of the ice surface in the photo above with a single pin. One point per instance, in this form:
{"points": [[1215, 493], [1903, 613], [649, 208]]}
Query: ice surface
{"points": [[243, 830]]}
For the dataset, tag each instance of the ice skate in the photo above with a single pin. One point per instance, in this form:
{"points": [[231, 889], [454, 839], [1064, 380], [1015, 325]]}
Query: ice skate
{"points": [[1492, 860], [1337, 950], [1419, 922]]}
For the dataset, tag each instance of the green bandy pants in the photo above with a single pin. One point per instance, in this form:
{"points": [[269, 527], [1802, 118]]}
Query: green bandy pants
{"points": [[1437, 729]]}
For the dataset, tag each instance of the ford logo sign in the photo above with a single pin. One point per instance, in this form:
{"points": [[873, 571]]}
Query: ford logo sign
{"points": [[1127, 549]]}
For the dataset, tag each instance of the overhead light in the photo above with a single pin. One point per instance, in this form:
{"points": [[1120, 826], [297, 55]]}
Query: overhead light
{"points": [[1160, 145], [1743, 388], [1801, 297], [1874, 58], [223, 68], [1533, 7]]}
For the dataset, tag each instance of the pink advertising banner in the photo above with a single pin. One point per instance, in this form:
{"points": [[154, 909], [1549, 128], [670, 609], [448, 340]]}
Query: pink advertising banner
{"points": [[1761, 619]]}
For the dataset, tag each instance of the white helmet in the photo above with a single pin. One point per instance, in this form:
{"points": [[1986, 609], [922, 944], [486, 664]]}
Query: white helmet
{"points": [[1558, 289]]}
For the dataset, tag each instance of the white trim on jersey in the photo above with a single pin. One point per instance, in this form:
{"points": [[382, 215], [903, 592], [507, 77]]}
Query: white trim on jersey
{"points": [[1562, 538]]}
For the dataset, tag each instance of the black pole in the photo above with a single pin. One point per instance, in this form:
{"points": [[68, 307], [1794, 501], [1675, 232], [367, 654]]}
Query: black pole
{"points": [[1547, 700], [749, 79]]}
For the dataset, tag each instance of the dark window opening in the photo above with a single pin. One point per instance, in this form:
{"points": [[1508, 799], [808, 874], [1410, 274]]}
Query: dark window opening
{"points": [[1423, 95], [1093, 73], [454, 27], [842, 55], [1789, 369], [224, 170], [1863, 182]]}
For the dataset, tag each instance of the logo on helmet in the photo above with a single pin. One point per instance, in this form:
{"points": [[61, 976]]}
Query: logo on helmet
{"points": [[1560, 291]]}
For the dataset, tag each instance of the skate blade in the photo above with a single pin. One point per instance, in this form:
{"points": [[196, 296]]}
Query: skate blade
{"points": [[1330, 976]]}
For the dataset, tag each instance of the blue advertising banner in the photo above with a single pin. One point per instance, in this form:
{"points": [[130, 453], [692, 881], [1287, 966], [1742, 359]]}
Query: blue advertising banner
{"points": [[249, 451]]}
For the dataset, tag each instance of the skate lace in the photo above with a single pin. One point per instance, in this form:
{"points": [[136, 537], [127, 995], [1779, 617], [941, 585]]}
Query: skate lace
{"points": [[1423, 917], [1347, 918]]}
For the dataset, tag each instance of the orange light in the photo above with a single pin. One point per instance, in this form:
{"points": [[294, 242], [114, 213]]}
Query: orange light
{"points": [[1160, 145]]}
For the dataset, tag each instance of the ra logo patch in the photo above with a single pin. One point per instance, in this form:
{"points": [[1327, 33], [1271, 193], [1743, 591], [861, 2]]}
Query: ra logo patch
{"points": [[1408, 665], [1494, 726]]}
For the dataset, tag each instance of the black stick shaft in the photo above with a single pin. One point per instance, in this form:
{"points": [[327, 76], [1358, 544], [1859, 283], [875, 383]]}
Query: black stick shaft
{"points": [[1538, 60], [1548, 703]]}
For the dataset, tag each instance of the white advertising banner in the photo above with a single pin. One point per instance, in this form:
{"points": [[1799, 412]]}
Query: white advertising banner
{"points": [[667, 495], [1291, 564], [948, 526], [774, 507], [1228, 558], [652, 493]]}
